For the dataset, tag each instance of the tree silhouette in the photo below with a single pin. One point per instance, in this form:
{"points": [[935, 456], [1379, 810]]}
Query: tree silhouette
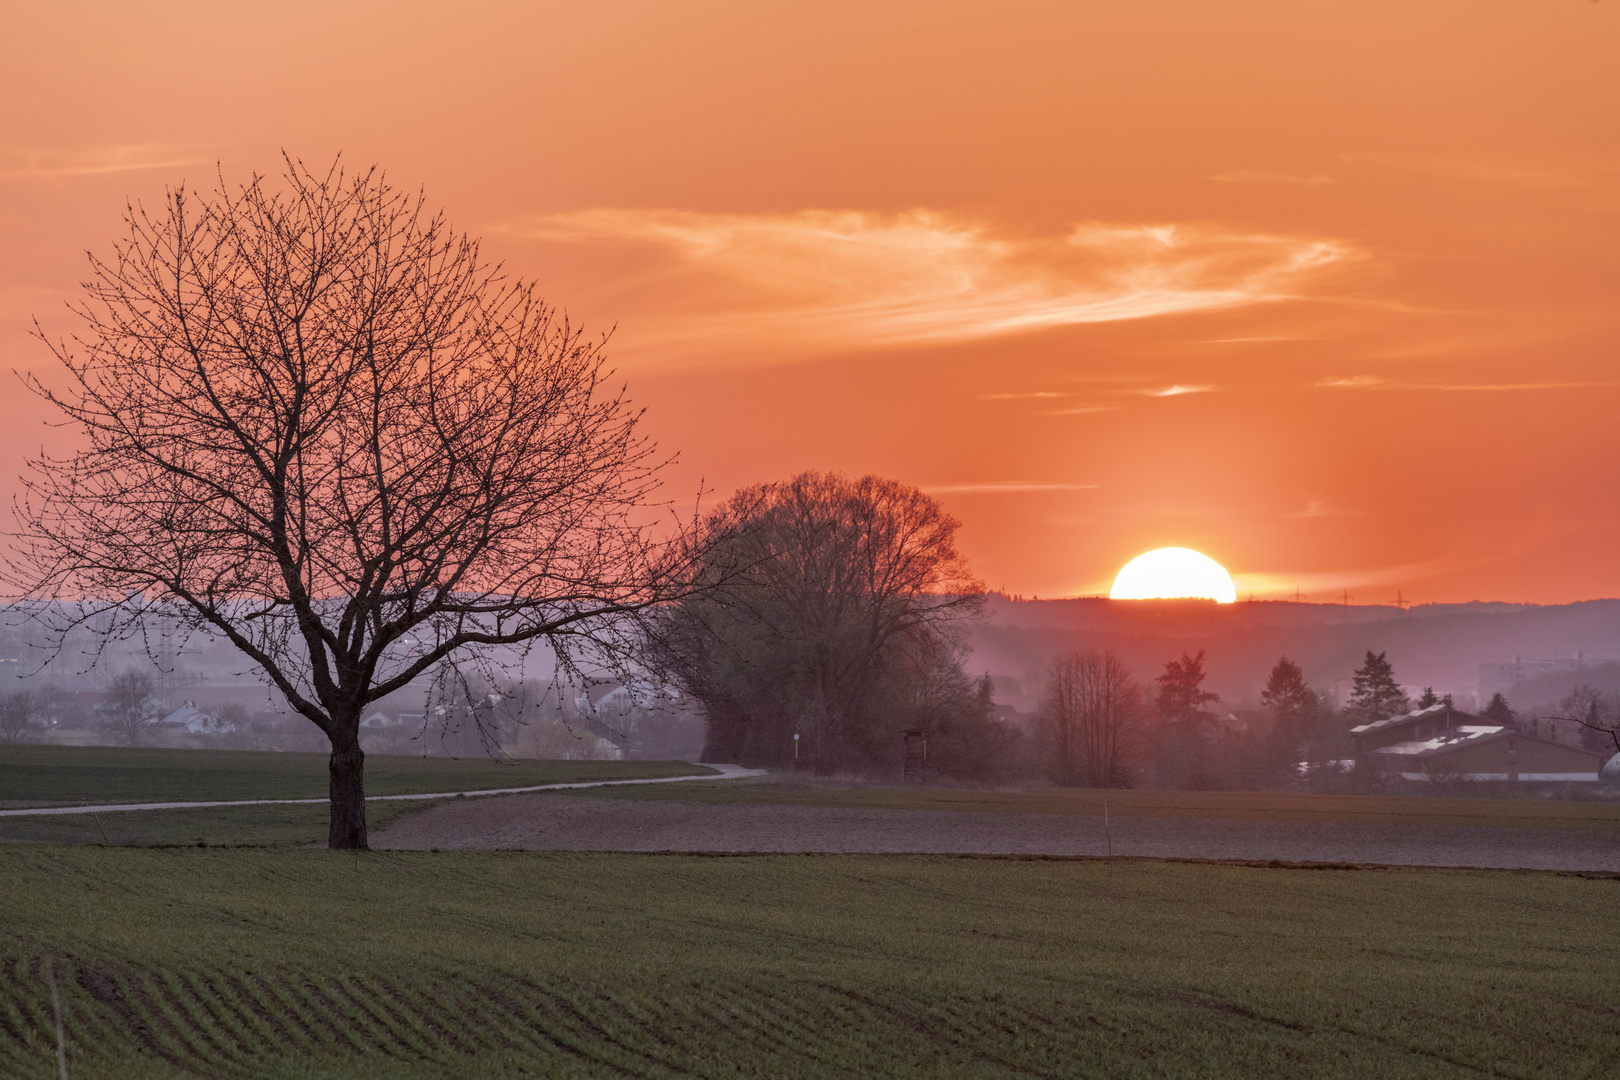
{"points": [[838, 607], [1181, 697], [131, 709], [1292, 702], [1374, 693], [19, 715], [1091, 719], [319, 425], [1498, 712]]}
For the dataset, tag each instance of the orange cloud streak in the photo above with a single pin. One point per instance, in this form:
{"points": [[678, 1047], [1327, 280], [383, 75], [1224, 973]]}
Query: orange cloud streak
{"points": [[829, 279]]}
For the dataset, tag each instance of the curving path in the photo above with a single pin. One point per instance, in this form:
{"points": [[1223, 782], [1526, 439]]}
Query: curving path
{"points": [[725, 772]]}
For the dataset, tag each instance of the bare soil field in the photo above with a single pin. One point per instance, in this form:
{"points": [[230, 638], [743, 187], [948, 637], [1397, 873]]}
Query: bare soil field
{"points": [[645, 823]]}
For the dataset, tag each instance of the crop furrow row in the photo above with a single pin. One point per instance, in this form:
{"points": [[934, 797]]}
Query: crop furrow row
{"points": [[277, 1001], [808, 1023], [652, 1029], [25, 1011], [744, 1022], [485, 1017], [111, 995], [339, 1023], [230, 1018], [394, 1040], [259, 1025], [189, 1017], [569, 1027], [935, 1029], [530, 1026], [416, 1011], [172, 1026]]}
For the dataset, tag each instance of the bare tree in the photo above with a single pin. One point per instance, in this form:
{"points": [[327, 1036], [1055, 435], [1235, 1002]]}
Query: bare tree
{"points": [[19, 716], [131, 709], [319, 425], [1597, 714], [1092, 719], [829, 583]]}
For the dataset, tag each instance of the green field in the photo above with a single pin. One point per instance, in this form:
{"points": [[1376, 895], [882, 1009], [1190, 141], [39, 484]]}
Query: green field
{"points": [[69, 775], [186, 962], [73, 776]]}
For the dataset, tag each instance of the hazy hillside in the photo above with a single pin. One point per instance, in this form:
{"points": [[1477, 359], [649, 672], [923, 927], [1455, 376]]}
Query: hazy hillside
{"points": [[1439, 645]]}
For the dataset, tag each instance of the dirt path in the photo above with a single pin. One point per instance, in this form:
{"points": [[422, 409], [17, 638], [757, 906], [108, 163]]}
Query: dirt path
{"points": [[557, 822], [722, 772]]}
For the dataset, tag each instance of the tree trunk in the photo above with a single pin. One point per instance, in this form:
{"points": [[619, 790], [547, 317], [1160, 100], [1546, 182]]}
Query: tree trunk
{"points": [[347, 775]]}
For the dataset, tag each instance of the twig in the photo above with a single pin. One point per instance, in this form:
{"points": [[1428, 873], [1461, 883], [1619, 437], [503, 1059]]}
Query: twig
{"points": [[56, 1007], [1611, 732], [99, 825]]}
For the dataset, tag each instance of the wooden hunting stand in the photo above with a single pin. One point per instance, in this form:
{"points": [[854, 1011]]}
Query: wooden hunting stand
{"points": [[916, 759]]}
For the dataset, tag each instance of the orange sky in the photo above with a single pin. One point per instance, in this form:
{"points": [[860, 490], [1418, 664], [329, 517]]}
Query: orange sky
{"points": [[1328, 291]]}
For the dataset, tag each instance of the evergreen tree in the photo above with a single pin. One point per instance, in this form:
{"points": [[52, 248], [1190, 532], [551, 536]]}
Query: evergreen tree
{"points": [[1428, 697], [1183, 751], [1295, 706], [1375, 695], [1181, 701], [1498, 713], [1289, 698]]}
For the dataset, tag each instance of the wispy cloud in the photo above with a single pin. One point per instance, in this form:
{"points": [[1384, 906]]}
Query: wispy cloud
{"points": [[1351, 382], [1024, 396], [827, 277], [1373, 382], [1177, 389], [1317, 508], [22, 161], [1082, 410], [1003, 487], [1516, 174], [1246, 177]]}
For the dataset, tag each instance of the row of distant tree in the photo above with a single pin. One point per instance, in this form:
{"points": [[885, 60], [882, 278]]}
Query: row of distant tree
{"points": [[1100, 727], [127, 717], [131, 714]]}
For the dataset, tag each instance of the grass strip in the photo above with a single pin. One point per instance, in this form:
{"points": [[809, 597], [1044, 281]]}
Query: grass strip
{"points": [[1271, 806], [71, 775]]}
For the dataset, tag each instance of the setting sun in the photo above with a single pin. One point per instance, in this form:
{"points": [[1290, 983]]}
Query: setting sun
{"points": [[1173, 572]]}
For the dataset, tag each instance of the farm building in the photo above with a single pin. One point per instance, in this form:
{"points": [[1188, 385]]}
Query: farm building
{"points": [[1442, 742]]}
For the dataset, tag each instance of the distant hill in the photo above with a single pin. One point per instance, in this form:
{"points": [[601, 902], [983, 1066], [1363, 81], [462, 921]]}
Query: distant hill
{"points": [[1439, 645]]}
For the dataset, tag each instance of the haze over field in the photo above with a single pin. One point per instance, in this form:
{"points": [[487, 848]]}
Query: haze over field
{"points": [[1323, 291], [810, 538]]}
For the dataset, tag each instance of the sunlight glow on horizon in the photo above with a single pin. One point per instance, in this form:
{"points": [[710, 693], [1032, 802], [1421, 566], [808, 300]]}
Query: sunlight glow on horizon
{"points": [[1173, 573]]}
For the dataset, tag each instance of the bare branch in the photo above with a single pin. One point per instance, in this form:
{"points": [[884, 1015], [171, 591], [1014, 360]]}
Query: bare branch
{"points": [[317, 423]]}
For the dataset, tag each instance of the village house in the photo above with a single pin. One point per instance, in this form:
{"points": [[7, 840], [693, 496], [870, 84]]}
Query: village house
{"points": [[1443, 742]]}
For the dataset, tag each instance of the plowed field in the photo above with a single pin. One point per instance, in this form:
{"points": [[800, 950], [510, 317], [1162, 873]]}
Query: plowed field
{"points": [[262, 963]]}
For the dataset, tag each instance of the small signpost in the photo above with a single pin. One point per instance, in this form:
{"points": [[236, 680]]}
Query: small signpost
{"points": [[795, 750], [916, 759]]}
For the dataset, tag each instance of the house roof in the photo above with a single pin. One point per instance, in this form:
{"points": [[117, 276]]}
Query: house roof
{"points": [[1466, 735], [596, 692], [1439, 708], [194, 719]]}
